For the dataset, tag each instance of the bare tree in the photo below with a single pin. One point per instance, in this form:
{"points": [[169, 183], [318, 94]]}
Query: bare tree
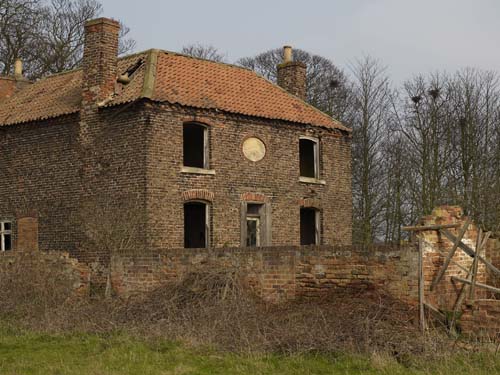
{"points": [[474, 103], [423, 122], [202, 51], [328, 88], [395, 208], [47, 36], [371, 109], [18, 31]]}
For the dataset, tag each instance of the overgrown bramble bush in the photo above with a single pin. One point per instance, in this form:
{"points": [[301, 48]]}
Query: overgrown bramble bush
{"points": [[216, 308]]}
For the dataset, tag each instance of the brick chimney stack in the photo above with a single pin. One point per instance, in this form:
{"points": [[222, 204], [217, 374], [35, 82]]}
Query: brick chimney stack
{"points": [[9, 85], [100, 56], [292, 74]]}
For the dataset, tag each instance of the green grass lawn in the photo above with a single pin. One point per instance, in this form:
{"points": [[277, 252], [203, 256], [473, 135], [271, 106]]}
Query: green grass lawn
{"points": [[24, 353]]}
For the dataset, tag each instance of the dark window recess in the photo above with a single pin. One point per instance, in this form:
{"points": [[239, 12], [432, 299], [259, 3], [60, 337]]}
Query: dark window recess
{"points": [[8, 242], [253, 209], [307, 152], [194, 145], [307, 226], [195, 225], [253, 232]]}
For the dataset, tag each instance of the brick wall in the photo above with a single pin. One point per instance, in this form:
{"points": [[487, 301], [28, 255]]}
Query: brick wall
{"points": [[482, 319], [274, 179], [54, 263], [55, 168], [39, 174], [278, 273], [27, 233]]}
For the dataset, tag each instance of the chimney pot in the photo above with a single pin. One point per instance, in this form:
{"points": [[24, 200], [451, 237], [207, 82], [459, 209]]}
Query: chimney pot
{"points": [[287, 54], [18, 69]]}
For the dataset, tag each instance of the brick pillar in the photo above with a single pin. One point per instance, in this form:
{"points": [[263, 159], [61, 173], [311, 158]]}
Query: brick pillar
{"points": [[292, 75], [27, 233]]}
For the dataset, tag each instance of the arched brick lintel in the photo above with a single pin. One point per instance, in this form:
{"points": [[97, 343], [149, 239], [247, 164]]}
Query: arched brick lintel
{"points": [[254, 197], [310, 203], [203, 120], [198, 194]]}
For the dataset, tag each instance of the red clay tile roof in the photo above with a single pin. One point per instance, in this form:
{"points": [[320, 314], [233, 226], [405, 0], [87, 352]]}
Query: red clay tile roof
{"points": [[56, 95], [173, 78]]}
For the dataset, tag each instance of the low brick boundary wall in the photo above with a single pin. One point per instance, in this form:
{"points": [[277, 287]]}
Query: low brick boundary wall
{"points": [[78, 274], [278, 273]]}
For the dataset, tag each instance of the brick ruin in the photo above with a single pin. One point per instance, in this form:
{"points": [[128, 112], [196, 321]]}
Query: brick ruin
{"points": [[480, 315], [269, 174], [281, 273]]}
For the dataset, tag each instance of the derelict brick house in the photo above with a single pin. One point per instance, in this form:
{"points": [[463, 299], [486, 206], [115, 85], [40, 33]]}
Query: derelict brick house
{"points": [[209, 153]]}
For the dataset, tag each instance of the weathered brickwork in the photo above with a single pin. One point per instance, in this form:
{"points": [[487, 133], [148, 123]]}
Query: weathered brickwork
{"points": [[274, 179], [292, 77], [278, 273], [436, 247], [92, 162], [27, 233], [39, 173], [482, 319], [52, 263], [137, 155]]}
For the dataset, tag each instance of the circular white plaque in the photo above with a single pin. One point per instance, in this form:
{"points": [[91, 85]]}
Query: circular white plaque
{"points": [[254, 149]]}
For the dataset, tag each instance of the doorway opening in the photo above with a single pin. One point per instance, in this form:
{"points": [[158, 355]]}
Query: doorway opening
{"points": [[195, 225]]}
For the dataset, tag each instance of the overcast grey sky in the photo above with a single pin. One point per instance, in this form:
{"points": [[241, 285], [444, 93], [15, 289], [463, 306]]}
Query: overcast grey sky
{"points": [[409, 36]]}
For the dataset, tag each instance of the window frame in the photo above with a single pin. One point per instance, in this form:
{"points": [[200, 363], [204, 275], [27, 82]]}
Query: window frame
{"points": [[316, 155], [4, 232], [206, 148], [265, 220]]}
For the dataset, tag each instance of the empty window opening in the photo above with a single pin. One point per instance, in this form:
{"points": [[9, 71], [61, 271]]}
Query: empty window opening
{"points": [[195, 225], [308, 151], [253, 224], [5, 235], [195, 146], [309, 226]]}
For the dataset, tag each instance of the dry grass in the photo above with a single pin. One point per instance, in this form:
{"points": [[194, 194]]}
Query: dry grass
{"points": [[216, 309]]}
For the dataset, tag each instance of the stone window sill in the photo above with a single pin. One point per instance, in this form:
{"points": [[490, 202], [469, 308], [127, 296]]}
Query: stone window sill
{"points": [[195, 170], [310, 180]]}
